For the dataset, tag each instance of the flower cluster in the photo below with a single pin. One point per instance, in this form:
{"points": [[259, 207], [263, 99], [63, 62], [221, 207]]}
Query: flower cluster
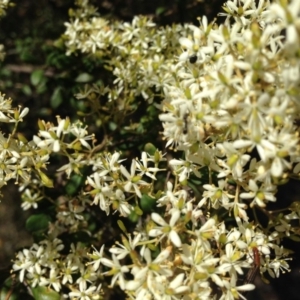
{"points": [[138, 53], [229, 103], [45, 266], [236, 97]]}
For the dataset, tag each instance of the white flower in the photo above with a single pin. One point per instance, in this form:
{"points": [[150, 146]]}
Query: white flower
{"points": [[133, 180], [52, 137], [217, 195], [67, 272], [23, 113], [143, 168], [166, 230], [85, 293], [151, 269], [101, 191], [235, 160], [53, 280], [117, 270], [284, 227], [30, 200], [81, 135], [23, 262], [74, 165], [231, 263], [122, 250], [183, 168], [260, 195], [96, 256]]}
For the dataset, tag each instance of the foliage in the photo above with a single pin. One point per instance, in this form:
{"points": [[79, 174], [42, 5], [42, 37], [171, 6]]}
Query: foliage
{"points": [[226, 100]]}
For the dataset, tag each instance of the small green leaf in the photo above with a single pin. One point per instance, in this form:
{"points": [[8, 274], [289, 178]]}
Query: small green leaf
{"points": [[112, 126], [147, 203], [160, 10], [45, 293], [56, 98], [74, 184], [150, 148], [138, 211], [84, 77], [37, 223], [36, 77], [133, 217], [42, 86], [26, 89], [122, 226]]}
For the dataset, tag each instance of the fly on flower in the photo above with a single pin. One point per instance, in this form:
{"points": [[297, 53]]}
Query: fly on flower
{"points": [[185, 125], [193, 58]]}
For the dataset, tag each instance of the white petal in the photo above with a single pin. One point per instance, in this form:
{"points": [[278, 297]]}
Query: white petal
{"points": [[186, 43], [174, 237], [158, 219], [177, 281], [276, 168], [56, 146], [155, 232], [174, 218], [132, 285], [246, 287]]}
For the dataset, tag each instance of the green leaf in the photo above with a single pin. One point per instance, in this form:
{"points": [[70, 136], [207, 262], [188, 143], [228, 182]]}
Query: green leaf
{"points": [[84, 77], [112, 126], [56, 98], [26, 89], [42, 87], [133, 217], [37, 223], [122, 226], [150, 148], [74, 183], [37, 77], [147, 203], [45, 293], [138, 211], [160, 10]]}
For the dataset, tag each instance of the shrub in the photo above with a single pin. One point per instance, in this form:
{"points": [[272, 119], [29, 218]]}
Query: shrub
{"points": [[227, 97]]}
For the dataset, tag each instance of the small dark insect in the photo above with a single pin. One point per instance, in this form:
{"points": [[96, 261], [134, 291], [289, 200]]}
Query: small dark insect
{"points": [[193, 58], [185, 124]]}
